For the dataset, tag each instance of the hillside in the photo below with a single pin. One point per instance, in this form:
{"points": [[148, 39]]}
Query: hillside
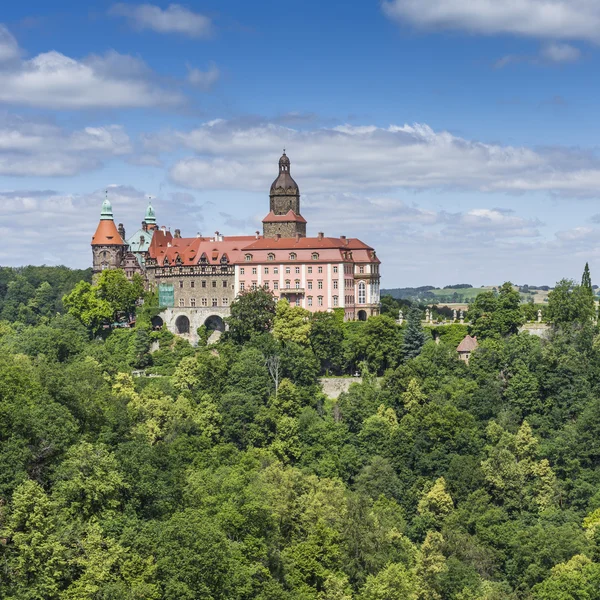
{"points": [[230, 475]]}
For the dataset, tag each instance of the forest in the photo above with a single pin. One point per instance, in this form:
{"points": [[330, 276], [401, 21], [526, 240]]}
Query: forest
{"points": [[225, 473]]}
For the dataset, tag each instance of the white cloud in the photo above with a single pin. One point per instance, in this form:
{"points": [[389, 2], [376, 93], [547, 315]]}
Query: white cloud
{"points": [[204, 79], [576, 234], [174, 19], [232, 155], [53, 80], [497, 221], [9, 49], [35, 149], [546, 19], [560, 53]]}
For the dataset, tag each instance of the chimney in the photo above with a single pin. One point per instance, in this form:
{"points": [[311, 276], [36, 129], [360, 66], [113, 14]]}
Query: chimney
{"points": [[343, 238], [277, 236], [144, 226], [257, 234], [163, 229], [321, 234], [198, 234], [178, 233], [142, 239], [121, 230], [297, 236]]}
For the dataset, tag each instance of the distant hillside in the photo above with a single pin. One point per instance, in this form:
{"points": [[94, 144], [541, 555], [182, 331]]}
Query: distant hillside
{"points": [[462, 293]]}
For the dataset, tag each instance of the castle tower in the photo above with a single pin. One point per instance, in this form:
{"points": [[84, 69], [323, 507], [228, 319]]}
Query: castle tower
{"points": [[284, 218], [108, 247]]}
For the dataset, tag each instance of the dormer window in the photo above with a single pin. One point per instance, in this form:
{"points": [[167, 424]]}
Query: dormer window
{"points": [[270, 256], [315, 256], [224, 259], [293, 256], [248, 257]]}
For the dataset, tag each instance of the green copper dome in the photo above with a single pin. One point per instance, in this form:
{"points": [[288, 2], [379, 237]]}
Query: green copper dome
{"points": [[150, 215], [107, 212]]}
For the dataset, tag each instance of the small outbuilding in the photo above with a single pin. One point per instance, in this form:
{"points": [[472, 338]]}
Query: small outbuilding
{"points": [[466, 347]]}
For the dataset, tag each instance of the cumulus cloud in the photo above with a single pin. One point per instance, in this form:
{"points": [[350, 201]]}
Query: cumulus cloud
{"points": [[29, 148], [204, 79], [53, 80], [174, 19], [556, 19], [229, 155]]}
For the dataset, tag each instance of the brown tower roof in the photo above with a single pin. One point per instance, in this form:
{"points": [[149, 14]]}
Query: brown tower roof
{"points": [[284, 179]]}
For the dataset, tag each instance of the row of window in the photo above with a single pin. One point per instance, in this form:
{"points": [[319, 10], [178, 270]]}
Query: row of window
{"points": [[202, 283], [288, 284], [288, 270], [291, 256], [204, 302]]}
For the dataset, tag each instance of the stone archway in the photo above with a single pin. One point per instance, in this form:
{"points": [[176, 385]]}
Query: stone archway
{"points": [[157, 322], [362, 315], [215, 323], [182, 325]]}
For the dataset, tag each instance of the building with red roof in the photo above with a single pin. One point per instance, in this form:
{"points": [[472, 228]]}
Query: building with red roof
{"points": [[199, 277]]}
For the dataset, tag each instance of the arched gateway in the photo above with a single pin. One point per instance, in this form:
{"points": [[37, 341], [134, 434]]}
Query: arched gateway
{"points": [[185, 321], [182, 325]]}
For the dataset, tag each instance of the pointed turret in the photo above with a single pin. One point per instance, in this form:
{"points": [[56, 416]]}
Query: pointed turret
{"points": [[150, 218], [108, 246]]}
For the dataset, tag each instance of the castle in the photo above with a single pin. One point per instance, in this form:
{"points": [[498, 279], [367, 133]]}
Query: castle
{"points": [[198, 278]]}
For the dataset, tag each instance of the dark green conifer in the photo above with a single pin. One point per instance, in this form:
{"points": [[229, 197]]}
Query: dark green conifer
{"points": [[414, 336]]}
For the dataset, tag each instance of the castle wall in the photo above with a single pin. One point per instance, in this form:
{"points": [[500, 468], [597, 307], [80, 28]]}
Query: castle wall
{"points": [[284, 229], [280, 205], [196, 287]]}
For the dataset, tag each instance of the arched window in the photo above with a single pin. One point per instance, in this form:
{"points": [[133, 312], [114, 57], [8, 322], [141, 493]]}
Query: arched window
{"points": [[315, 256], [362, 293], [292, 256], [248, 257], [270, 256]]}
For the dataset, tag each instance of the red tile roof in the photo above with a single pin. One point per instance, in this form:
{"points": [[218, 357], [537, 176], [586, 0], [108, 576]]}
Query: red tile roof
{"points": [[289, 216], [107, 234], [191, 250]]}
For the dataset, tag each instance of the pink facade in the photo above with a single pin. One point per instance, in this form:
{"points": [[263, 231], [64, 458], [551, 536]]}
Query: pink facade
{"points": [[318, 274]]}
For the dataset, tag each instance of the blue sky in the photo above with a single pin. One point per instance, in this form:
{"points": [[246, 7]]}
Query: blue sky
{"points": [[458, 138]]}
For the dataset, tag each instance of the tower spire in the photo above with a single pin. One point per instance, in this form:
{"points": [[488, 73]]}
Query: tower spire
{"points": [[150, 217], [107, 212]]}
